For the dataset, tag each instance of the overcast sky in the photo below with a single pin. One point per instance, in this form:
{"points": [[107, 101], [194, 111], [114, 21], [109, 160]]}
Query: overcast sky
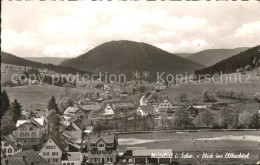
{"points": [[68, 29]]}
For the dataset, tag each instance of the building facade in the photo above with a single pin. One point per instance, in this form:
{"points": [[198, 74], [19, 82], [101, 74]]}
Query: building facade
{"points": [[102, 148], [52, 150], [31, 132]]}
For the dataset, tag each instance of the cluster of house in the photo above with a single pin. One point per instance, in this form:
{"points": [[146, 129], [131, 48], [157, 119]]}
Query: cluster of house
{"points": [[75, 142], [33, 142], [148, 105]]}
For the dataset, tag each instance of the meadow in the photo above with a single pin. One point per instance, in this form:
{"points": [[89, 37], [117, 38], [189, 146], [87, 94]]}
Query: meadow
{"points": [[37, 97]]}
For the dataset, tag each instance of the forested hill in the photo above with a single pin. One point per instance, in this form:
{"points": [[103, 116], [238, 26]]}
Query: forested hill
{"points": [[14, 60], [126, 57], [230, 65]]}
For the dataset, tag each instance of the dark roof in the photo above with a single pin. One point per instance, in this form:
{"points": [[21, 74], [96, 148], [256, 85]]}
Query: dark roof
{"points": [[27, 157], [82, 123], [90, 107], [171, 100], [12, 141], [147, 108], [108, 138], [122, 105], [59, 140]]}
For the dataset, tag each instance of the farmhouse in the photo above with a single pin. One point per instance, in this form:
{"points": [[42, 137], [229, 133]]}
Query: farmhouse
{"points": [[150, 100], [167, 104], [159, 86], [145, 110], [120, 108], [102, 148]]}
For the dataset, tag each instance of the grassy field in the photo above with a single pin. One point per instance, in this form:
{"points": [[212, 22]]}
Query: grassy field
{"points": [[36, 97], [194, 90], [197, 143]]}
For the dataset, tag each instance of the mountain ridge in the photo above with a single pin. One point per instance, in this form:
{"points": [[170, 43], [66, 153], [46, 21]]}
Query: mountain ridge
{"points": [[125, 56], [47, 60], [211, 56], [231, 64]]}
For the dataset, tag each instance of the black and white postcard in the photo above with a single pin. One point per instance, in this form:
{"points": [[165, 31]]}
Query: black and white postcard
{"points": [[130, 82]]}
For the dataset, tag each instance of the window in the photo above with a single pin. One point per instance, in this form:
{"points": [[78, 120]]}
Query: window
{"points": [[10, 150], [108, 159], [55, 160], [72, 163], [109, 145], [50, 147], [101, 145], [6, 144], [4, 150], [55, 153], [93, 152], [30, 128], [63, 163], [23, 129], [93, 145], [45, 153], [33, 134], [22, 134], [27, 134]]}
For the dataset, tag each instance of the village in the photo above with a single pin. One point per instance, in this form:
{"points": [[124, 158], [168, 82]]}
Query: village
{"points": [[84, 129]]}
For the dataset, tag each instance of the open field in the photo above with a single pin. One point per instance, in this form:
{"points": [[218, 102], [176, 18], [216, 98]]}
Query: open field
{"points": [[36, 97], [196, 143], [249, 84]]}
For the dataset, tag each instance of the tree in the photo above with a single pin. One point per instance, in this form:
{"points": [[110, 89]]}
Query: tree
{"points": [[227, 118], [7, 124], [155, 96], [205, 95], [55, 120], [207, 117], [255, 122], [183, 97], [5, 102], [182, 120], [52, 104], [142, 88], [245, 119], [257, 98], [17, 110], [232, 93], [147, 94], [64, 103]]}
